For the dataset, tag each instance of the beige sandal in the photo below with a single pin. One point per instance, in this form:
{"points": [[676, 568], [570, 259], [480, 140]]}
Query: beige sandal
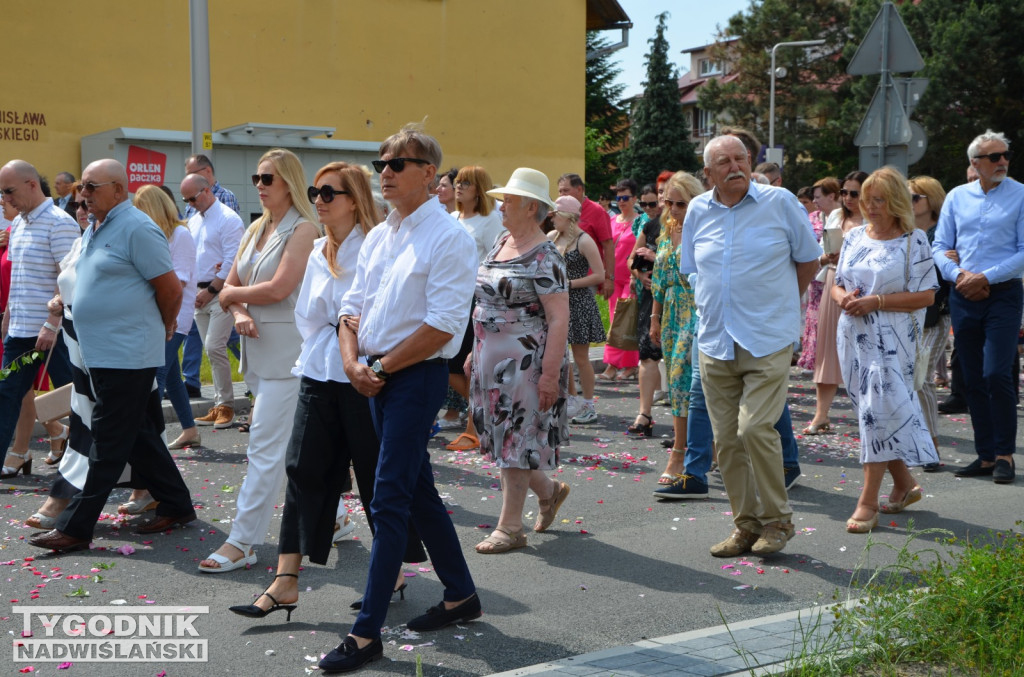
{"points": [[496, 544], [549, 508]]}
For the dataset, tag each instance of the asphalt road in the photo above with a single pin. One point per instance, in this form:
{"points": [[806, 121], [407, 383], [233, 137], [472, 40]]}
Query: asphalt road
{"points": [[618, 566]]}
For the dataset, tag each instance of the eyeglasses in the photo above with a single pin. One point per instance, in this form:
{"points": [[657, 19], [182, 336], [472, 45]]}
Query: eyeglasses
{"points": [[326, 193], [192, 200], [623, 198], [397, 164], [994, 157], [675, 203], [78, 205], [265, 179], [852, 193], [89, 186], [463, 184], [647, 205], [917, 197], [10, 191]]}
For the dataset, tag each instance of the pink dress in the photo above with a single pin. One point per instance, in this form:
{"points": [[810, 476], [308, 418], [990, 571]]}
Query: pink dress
{"points": [[622, 234], [808, 342]]}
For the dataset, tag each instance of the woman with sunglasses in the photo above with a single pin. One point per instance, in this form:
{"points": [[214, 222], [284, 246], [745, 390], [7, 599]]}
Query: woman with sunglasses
{"points": [[622, 364], [332, 428], [477, 213], [674, 315], [260, 292], [827, 374]]}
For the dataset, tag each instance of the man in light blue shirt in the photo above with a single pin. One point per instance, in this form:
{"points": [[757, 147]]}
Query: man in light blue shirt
{"points": [[754, 251], [983, 222], [126, 301]]}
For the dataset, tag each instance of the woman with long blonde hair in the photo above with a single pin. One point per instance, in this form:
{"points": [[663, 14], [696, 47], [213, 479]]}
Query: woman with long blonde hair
{"points": [[261, 292]]}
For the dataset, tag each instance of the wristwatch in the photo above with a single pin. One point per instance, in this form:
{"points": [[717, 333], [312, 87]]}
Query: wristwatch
{"points": [[378, 370]]}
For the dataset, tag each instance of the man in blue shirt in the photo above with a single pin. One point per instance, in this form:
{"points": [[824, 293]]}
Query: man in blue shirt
{"points": [[126, 302], [754, 251], [983, 222]]}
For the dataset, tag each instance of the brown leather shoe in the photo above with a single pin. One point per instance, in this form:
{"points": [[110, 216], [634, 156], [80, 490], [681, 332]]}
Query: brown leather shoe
{"points": [[773, 538], [165, 522], [59, 541], [739, 542]]}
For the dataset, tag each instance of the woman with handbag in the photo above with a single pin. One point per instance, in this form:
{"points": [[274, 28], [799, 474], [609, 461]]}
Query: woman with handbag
{"points": [[622, 362], [260, 292], [884, 280]]}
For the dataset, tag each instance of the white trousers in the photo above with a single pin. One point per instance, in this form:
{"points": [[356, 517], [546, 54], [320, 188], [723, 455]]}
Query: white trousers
{"points": [[214, 326], [271, 421], [934, 341]]}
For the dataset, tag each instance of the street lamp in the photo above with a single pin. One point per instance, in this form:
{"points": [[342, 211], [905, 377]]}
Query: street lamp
{"points": [[771, 154]]}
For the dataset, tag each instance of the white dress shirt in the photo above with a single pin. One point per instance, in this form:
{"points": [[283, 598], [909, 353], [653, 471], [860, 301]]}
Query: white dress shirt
{"points": [[316, 310], [413, 271], [183, 256], [216, 234]]}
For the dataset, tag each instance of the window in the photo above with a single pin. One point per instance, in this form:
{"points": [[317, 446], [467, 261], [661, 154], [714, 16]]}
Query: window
{"points": [[705, 123], [710, 67]]}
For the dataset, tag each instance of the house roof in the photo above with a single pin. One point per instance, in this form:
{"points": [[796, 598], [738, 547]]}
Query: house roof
{"points": [[604, 15]]}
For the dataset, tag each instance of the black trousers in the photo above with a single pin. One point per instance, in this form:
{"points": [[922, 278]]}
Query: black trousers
{"points": [[333, 427], [127, 424]]}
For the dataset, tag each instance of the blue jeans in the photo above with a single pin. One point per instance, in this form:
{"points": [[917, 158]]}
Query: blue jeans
{"points": [[169, 377], [403, 412], [14, 387], [192, 356], [699, 436], [985, 333]]}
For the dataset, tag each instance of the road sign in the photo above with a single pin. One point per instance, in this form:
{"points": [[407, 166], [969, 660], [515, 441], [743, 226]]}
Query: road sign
{"points": [[886, 121], [910, 90], [918, 143], [886, 47], [895, 156]]}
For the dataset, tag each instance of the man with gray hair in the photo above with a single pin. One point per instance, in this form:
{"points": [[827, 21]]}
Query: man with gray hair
{"points": [[984, 222], [41, 236], [62, 184], [754, 252], [217, 232], [126, 302]]}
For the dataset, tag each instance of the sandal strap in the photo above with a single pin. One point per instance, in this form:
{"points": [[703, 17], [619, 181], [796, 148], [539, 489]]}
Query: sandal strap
{"points": [[292, 575], [246, 550], [267, 594], [647, 416], [23, 457]]}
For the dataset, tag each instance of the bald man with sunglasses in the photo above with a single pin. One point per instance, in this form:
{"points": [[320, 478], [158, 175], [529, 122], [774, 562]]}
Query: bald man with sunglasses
{"points": [[983, 221]]}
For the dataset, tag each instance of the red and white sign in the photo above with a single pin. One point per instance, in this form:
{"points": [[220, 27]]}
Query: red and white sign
{"points": [[145, 166]]}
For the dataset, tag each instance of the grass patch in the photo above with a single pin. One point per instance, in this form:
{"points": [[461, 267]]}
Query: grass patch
{"points": [[958, 612], [206, 376]]}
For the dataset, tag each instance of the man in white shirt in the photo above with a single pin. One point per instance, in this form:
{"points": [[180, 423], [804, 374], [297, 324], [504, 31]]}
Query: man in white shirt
{"points": [[406, 311], [41, 236], [217, 231]]}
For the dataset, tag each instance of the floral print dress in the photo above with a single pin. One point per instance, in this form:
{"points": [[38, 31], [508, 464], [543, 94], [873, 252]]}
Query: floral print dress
{"points": [[511, 333], [809, 340], [678, 323]]}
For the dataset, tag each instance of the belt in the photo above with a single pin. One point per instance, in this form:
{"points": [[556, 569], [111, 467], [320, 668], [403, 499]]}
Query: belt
{"points": [[370, 359], [204, 285], [1003, 286]]}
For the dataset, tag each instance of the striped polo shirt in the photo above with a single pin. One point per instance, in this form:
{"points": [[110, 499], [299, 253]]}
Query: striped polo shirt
{"points": [[39, 242]]}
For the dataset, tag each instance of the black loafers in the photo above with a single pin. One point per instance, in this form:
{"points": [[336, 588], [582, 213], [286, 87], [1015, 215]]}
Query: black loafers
{"points": [[1004, 472], [438, 617], [348, 656], [974, 470]]}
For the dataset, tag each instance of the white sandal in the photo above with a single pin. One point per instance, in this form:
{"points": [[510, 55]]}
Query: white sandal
{"points": [[52, 459], [226, 564]]}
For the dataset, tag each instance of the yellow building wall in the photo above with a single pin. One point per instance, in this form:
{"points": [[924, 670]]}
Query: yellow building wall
{"points": [[501, 82]]}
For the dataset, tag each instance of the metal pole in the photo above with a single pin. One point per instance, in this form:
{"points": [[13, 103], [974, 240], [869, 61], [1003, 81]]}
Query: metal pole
{"points": [[199, 31], [885, 84], [771, 95]]}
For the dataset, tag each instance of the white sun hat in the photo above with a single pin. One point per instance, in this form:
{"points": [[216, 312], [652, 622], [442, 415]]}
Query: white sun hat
{"points": [[528, 183]]}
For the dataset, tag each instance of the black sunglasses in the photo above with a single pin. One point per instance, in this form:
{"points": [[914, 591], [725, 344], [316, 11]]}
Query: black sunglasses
{"points": [[851, 193], [994, 157], [89, 186], [326, 193], [648, 205], [397, 164], [917, 197], [675, 203], [265, 179], [191, 200], [75, 206], [623, 198]]}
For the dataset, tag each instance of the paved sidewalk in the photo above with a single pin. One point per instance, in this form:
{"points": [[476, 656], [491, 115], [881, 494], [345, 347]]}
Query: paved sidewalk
{"points": [[760, 646]]}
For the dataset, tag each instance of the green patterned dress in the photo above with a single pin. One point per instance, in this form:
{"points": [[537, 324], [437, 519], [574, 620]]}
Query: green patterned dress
{"points": [[678, 323]]}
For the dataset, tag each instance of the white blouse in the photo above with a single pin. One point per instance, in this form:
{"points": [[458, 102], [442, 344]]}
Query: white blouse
{"points": [[316, 310], [183, 256]]}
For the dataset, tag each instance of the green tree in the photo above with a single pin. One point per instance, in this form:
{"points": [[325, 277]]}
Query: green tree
{"points": [[976, 76], [606, 120], [659, 136], [807, 98]]}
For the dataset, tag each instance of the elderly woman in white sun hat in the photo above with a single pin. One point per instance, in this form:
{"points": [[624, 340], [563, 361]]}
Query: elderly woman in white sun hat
{"points": [[520, 361]]}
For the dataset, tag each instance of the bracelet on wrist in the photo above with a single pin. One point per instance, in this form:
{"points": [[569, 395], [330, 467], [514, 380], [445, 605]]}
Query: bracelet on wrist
{"points": [[881, 301], [47, 325]]}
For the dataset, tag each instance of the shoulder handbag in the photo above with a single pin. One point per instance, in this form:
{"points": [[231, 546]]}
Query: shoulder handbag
{"points": [[622, 334], [54, 404], [920, 354]]}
